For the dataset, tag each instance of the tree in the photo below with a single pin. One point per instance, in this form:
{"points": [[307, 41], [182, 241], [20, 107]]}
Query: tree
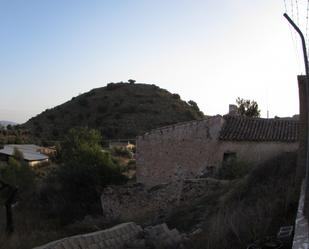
{"points": [[85, 170], [195, 107], [15, 176], [10, 192], [248, 108], [18, 155], [131, 81]]}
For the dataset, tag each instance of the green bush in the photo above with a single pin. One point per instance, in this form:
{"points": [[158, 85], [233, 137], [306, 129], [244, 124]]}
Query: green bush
{"points": [[176, 96], [83, 102], [18, 173], [121, 151], [85, 170]]}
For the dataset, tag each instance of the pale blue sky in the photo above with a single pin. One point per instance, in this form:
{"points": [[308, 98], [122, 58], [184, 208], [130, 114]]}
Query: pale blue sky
{"points": [[208, 51]]}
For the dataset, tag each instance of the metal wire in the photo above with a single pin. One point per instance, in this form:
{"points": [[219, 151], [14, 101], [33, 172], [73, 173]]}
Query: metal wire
{"points": [[286, 9], [307, 17], [293, 33], [297, 13], [292, 9]]}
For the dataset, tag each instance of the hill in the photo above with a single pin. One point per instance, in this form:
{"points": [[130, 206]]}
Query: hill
{"points": [[5, 123], [118, 110]]}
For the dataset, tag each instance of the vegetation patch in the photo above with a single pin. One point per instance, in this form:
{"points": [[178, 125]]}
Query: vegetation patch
{"points": [[118, 110], [248, 209]]}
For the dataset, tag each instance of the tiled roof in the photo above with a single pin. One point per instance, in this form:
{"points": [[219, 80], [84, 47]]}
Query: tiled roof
{"points": [[238, 128]]}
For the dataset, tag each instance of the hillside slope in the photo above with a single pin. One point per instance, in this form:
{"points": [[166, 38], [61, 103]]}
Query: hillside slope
{"points": [[119, 110]]}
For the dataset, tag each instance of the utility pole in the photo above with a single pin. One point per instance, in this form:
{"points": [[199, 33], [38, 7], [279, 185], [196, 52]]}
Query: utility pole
{"points": [[306, 207]]}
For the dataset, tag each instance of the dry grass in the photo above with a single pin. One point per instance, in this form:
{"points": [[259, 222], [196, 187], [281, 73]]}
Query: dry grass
{"points": [[34, 226], [34, 229], [252, 208], [31, 229]]}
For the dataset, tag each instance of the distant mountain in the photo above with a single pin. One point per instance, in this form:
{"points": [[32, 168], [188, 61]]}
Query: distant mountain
{"points": [[119, 110], [6, 123]]}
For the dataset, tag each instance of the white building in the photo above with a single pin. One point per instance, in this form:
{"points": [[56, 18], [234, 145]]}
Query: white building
{"points": [[31, 153]]}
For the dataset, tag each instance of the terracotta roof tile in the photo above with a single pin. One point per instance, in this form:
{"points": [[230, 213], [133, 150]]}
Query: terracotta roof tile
{"points": [[237, 128]]}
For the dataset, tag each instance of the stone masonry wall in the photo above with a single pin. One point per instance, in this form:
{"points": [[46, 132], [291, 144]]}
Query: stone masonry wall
{"points": [[115, 237], [178, 152]]}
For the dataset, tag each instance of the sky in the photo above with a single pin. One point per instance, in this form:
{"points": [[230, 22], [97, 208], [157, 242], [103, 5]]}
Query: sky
{"points": [[205, 50]]}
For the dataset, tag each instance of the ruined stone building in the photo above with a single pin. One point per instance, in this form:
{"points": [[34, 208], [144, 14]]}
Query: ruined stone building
{"points": [[196, 148]]}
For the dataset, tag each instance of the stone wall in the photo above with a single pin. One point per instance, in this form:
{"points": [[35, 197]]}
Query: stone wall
{"points": [[193, 149], [139, 203], [135, 202], [115, 237], [178, 152], [123, 236]]}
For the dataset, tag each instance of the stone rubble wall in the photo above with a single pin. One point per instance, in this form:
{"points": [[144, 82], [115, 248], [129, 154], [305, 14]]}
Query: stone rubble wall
{"points": [[123, 236], [115, 237], [137, 202], [195, 188], [134, 202]]}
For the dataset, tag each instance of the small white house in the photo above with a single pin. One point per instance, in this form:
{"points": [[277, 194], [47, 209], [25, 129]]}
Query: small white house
{"points": [[32, 153]]}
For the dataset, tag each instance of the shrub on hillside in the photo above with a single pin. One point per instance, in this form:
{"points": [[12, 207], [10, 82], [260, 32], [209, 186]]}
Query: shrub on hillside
{"points": [[102, 108], [176, 96], [85, 170], [83, 102], [51, 117], [112, 86]]}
